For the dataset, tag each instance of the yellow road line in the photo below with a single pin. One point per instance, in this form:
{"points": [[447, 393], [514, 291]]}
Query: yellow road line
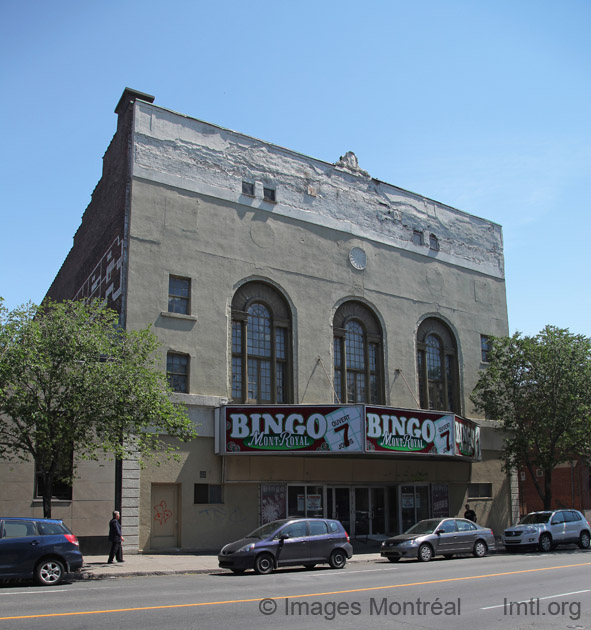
{"points": [[258, 599]]}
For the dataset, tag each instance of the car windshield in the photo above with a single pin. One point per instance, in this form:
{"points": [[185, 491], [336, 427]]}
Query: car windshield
{"points": [[266, 530], [424, 527], [537, 517]]}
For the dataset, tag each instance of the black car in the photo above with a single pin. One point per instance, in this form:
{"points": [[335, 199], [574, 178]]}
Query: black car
{"points": [[39, 548], [289, 542]]}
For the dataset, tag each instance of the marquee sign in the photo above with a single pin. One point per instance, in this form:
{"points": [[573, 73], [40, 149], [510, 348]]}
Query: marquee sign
{"points": [[334, 429], [298, 428]]}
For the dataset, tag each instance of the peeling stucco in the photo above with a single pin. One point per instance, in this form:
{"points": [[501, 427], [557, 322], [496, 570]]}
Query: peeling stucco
{"points": [[189, 154]]}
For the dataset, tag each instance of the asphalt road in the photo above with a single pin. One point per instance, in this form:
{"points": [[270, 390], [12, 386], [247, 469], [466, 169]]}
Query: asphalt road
{"points": [[531, 590]]}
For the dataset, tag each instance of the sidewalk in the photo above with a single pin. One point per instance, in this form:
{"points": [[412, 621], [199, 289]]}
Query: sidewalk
{"points": [[96, 567]]}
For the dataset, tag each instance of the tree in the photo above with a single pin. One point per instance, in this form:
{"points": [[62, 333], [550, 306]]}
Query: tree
{"points": [[539, 389], [72, 381]]}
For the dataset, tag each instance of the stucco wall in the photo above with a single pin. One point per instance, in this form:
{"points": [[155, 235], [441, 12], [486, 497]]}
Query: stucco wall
{"points": [[92, 498], [220, 245]]}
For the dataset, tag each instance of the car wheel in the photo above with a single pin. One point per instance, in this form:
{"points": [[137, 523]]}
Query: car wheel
{"points": [[338, 559], [480, 549], [545, 542], [425, 552], [263, 564], [393, 558], [310, 566], [49, 572], [584, 540], [237, 571]]}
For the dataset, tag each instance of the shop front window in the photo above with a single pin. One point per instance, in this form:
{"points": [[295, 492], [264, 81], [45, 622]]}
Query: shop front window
{"points": [[305, 501]]}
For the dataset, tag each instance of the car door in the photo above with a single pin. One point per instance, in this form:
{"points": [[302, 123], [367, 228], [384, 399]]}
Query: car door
{"points": [[293, 544], [18, 547], [572, 526], [320, 541], [467, 534], [557, 526], [446, 537]]}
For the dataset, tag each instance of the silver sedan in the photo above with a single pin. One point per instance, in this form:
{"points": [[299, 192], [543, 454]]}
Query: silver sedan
{"points": [[439, 537]]}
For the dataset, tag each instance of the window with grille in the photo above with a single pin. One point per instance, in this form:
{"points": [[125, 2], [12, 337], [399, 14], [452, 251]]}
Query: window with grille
{"points": [[485, 345], [177, 371], [261, 326], [179, 294], [437, 367], [357, 351]]}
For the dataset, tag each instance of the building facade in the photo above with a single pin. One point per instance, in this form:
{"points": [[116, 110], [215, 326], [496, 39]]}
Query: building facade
{"points": [[323, 328]]}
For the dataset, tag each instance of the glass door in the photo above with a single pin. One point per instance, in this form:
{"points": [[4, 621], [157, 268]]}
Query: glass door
{"points": [[362, 512], [378, 511], [414, 505], [370, 511], [338, 502]]}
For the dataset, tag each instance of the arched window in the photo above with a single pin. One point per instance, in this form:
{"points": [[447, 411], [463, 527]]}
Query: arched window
{"points": [[437, 366], [358, 373], [261, 332]]}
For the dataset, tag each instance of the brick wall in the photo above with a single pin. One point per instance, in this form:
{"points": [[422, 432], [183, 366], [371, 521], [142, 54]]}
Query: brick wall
{"points": [[94, 266], [571, 488]]}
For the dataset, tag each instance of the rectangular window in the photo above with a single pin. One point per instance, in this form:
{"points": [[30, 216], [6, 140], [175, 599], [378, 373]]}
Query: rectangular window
{"points": [[179, 293], [248, 188], [480, 491], [207, 493], [269, 194], [485, 348], [61, 490], [433, 242], [177, 371], [417, 237]]}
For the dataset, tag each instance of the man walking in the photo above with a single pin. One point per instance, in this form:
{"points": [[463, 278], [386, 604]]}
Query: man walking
{"points": [[116, 538]]}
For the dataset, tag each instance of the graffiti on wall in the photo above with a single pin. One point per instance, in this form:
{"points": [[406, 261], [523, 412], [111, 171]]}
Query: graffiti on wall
{"points": [[223, 515], [162, 512]]}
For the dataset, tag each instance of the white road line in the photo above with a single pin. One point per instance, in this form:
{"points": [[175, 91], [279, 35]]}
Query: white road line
{"points": [[35, 592], [538, 599], [50, 590]]}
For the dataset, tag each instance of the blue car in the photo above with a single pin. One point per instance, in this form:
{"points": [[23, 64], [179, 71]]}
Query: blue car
{"points": [[39, 548], [289, 542]]}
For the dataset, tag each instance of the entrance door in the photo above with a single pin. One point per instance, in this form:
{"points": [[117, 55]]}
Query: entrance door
{"points": [[414, 505], [370, 511], [338, 501], [165, 516]]}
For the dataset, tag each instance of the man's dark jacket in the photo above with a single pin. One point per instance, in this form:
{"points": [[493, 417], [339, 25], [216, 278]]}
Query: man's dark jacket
{"points": [[115, 530]]}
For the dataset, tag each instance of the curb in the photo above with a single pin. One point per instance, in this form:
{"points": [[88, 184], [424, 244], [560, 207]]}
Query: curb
{"points": [[91, 574]]}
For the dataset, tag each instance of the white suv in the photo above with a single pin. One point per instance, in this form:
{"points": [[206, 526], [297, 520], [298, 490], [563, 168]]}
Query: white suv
{"points": [[548, 529]]}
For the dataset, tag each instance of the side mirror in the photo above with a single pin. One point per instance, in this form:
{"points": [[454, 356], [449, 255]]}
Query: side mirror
{"points": [[284, 537], [438, 532]]}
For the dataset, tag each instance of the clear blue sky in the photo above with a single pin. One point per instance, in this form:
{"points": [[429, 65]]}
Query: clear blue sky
{"points": [[483, 105]]}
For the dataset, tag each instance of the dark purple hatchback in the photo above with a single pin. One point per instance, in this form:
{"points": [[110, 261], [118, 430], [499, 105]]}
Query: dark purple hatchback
{"points": [[289, 542]]}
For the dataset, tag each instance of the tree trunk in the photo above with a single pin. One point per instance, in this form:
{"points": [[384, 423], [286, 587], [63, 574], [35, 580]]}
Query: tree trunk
{"points": [[548, 489], [47, 492]]}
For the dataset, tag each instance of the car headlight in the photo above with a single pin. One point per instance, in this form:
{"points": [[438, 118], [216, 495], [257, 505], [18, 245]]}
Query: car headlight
{"points": [[530, 530], [248, 547], [408, 543]]}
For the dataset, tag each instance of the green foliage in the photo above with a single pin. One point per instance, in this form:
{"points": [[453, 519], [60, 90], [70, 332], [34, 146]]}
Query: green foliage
{"points": [[539, 389], [70, 376]]}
